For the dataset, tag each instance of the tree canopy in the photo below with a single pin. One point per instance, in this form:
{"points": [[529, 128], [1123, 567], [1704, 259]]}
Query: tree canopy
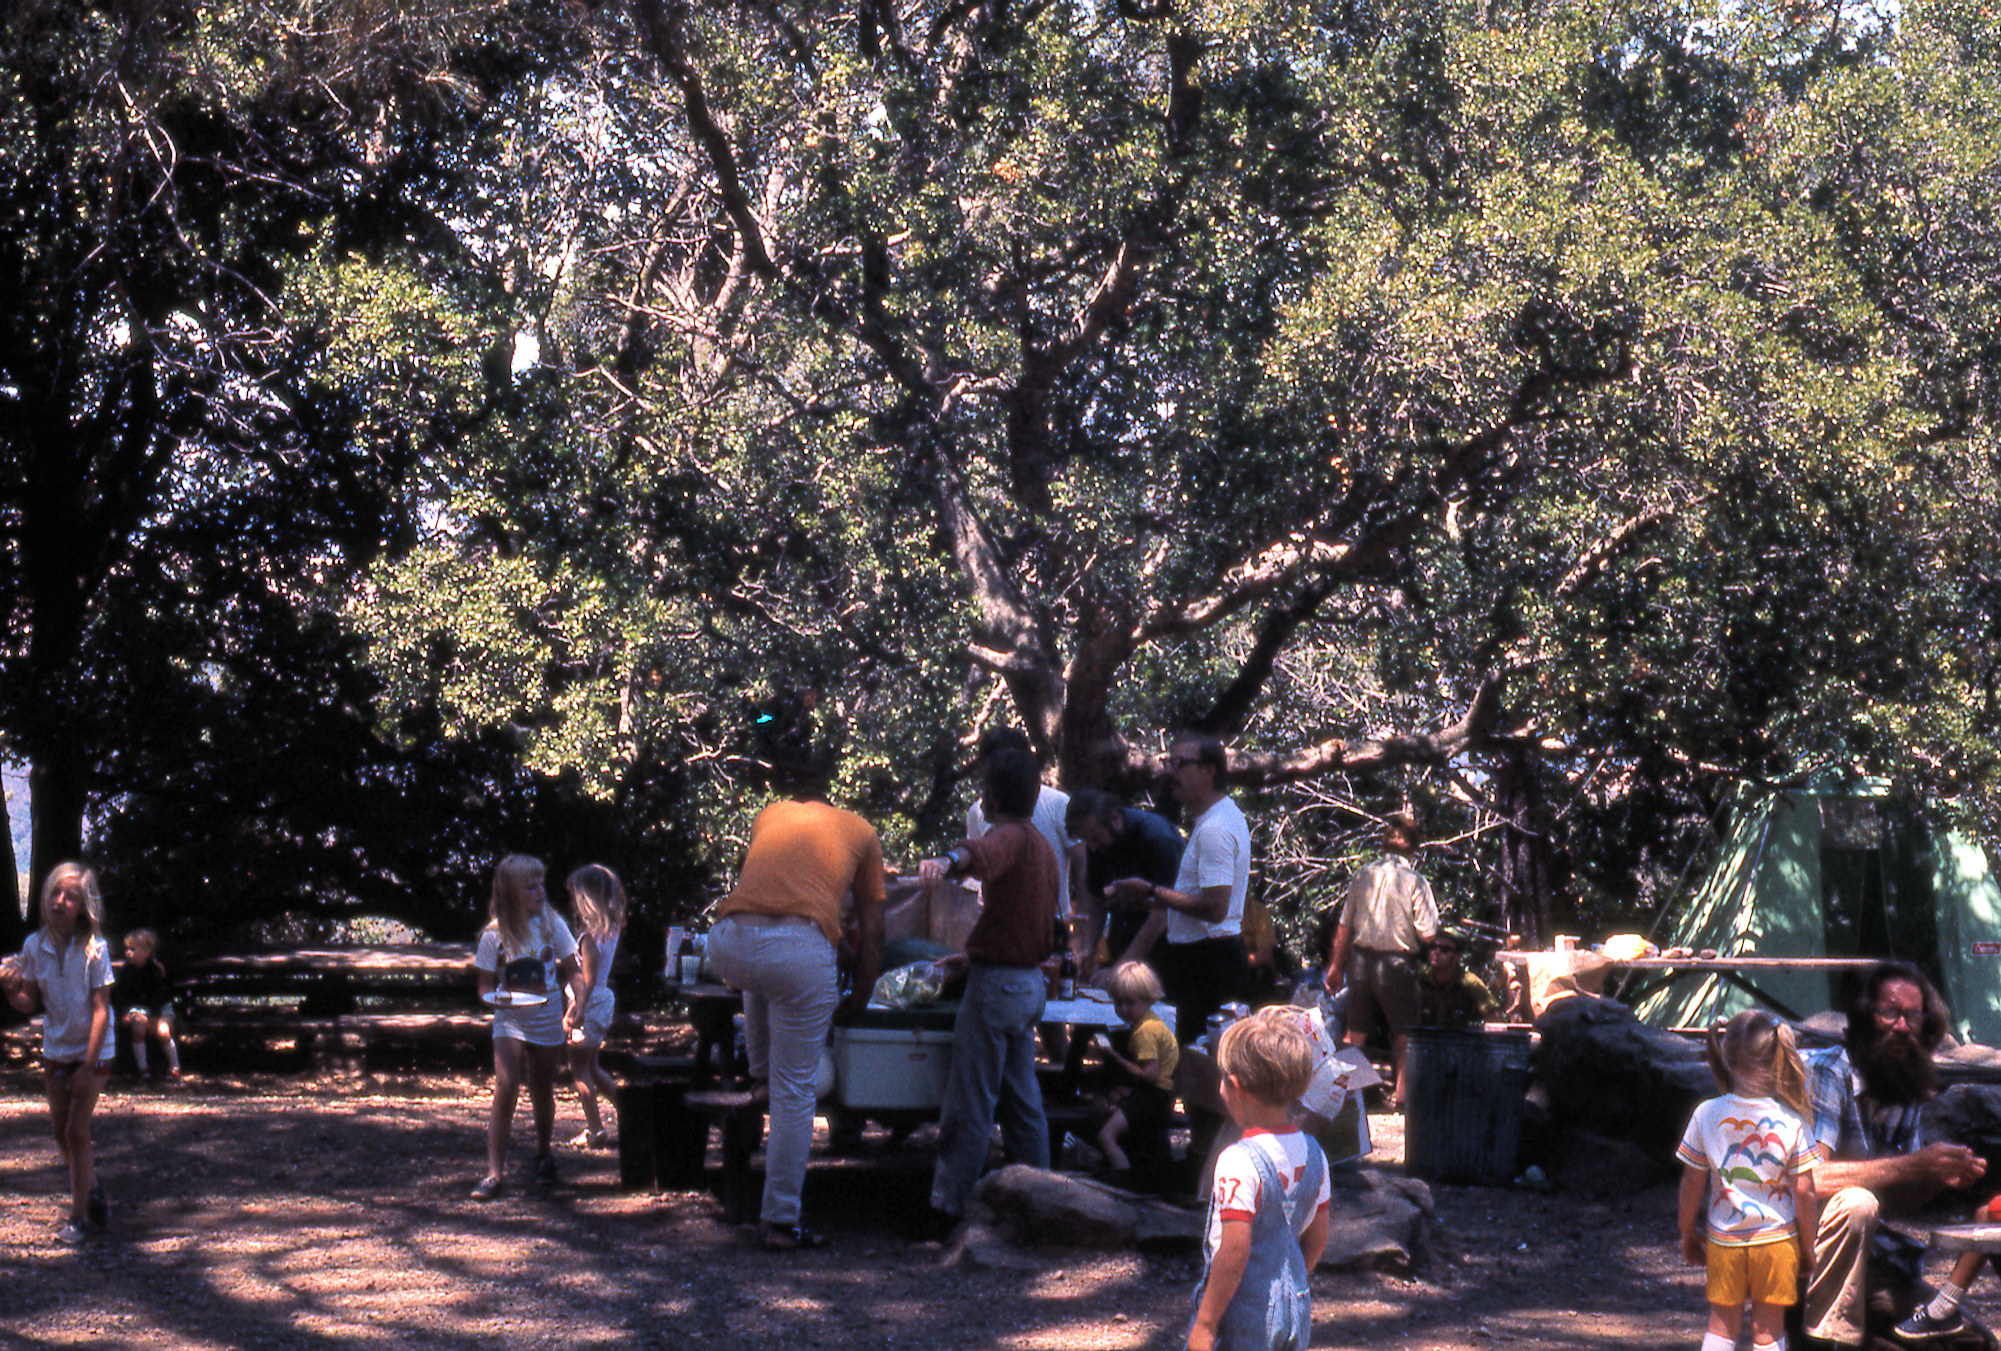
{"points": [[1548, 413]]}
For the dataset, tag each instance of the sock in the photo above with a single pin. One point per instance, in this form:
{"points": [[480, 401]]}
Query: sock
{"points": [[173, 1056], [1779, 1345], [139, 1053], [1947, 1299], [1716, 1341]]}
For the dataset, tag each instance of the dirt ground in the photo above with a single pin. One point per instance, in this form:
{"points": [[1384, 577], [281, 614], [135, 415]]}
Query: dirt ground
{"points": [[331, 1212]]}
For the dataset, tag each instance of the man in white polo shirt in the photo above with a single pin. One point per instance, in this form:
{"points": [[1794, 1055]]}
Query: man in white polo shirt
{"points": [[1202, 964]]}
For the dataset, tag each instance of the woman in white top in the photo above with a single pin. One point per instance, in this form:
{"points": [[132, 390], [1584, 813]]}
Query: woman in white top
{"points": [[526, 950], [598, 902]]}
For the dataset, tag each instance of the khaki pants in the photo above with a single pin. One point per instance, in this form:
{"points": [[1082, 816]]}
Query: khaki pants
{"points": [[1837, 1293]]}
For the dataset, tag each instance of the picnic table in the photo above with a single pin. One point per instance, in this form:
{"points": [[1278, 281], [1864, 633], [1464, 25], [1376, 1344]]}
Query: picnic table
{"points": [[667, 1110], [1737, 971], [326, 979], [329, 998]]}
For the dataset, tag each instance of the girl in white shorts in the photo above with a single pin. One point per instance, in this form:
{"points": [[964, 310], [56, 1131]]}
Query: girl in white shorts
{"points": [[598, 903], [526, 951]]}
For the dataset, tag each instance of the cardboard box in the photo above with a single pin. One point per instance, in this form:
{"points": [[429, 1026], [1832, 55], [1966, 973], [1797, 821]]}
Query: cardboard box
{"points": [[880, 1068]]}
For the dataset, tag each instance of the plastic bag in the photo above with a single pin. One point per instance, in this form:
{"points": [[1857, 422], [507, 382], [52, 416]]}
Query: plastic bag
{"points": [[907, 986]]}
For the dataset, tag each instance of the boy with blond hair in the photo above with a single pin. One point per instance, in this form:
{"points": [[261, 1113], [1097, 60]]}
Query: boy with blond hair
{"points": [[1268, 1211], [1145, 1103]]}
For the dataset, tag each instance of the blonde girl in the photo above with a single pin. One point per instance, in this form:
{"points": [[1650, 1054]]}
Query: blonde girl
{"points": [[1748, 1210], [65, 969], [598, 903], [525, 951]]}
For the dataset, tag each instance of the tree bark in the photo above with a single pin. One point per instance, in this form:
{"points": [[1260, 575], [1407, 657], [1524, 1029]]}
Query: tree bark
{"points": [[56, 795], [13, 924], [1526, 855]]}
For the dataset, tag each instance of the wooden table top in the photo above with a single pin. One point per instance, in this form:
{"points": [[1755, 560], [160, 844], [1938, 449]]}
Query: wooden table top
{"points": [[1711, 963], [382, 959]]}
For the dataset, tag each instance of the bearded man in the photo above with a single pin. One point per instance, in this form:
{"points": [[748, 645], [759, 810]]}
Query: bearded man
{"points": [[1866, 1100]]}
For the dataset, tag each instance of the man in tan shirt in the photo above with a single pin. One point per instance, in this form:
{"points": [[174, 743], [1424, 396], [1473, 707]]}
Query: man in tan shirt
{"points": [[1389, 917]]}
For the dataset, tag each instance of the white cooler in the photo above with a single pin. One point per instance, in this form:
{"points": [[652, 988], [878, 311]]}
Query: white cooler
{"points": [[882, 1068]]}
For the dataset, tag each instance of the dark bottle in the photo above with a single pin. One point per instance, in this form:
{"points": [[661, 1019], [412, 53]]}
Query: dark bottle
{"points": [[1066, 973]]}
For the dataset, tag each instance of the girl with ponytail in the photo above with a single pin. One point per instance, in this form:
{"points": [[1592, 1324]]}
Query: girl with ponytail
{"points": [[1748, 1210]]}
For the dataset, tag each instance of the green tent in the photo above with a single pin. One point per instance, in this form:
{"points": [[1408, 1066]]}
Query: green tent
{"points": [[1841, 870]]}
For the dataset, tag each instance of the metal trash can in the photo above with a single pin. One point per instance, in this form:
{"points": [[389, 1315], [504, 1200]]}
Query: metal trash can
{"points": [[1463, 1103]]}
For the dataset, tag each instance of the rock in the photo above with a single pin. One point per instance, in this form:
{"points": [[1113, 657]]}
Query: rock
{"points": [[1032, 1206], [1966, 1114], [978, 1246], [1541, 1140], [1606, 1073], [1375, 1222], [1605, 1169], [1164, 1227], [1970, 1115]]}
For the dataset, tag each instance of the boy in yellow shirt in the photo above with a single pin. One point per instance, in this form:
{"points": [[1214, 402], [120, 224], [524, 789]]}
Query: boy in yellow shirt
{"points": [[1147, 1103]]}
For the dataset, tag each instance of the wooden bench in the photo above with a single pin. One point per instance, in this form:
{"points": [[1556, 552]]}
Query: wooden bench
{"points": [[340, 1038], [664, 1122]]}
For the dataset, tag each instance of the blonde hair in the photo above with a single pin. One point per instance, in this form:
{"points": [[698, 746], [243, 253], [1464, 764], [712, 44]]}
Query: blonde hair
{"points": [[1134, 983], [598, 898], [66, 875], [1754, 1054], [146, 936], [1269, 1056], [509, 906]]}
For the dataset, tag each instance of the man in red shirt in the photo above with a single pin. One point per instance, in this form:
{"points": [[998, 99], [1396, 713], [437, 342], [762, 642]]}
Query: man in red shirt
{"points": [[993, 1041]]}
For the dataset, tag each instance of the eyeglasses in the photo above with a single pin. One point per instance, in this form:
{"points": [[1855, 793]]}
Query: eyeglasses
{"points": [[1889, 1016], [1177, 761]]}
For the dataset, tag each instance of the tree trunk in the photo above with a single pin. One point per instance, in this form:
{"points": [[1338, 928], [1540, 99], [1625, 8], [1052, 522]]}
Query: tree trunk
{"points": [[1525, 848], [13, 926], [56, 793]]}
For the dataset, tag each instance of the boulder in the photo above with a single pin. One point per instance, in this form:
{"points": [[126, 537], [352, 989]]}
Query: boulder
{"points": [[1605, 1169], [978, 1246], [1606, 1073], [1970, 1115], [1163, 1226], [1966, 1114], [1033, 1206], [1375, 1222]]}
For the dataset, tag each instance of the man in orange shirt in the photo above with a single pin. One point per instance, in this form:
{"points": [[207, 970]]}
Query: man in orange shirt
{"points": [[775, 939]]}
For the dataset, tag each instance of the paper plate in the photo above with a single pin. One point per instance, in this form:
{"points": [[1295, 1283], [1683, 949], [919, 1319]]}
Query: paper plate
{"points": [[514, 999]]}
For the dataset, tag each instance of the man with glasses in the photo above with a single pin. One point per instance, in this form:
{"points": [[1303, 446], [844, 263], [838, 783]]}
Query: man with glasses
{"points": [[1867, 1095], [1203, 965]]}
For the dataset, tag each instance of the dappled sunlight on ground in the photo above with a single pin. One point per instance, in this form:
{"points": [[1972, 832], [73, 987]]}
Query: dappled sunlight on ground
{"points": [[333, 1214]]}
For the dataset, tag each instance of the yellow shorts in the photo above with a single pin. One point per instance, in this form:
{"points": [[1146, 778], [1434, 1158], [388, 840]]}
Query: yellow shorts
{"points": [[1763, 1273]]}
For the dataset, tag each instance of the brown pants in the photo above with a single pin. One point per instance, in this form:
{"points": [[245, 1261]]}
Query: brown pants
{"points": [[1837, 1293], [1382, 992]]}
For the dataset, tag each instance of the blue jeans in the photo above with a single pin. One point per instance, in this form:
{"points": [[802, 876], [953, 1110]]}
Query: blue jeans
{"points": [[786, 973], [993, 1070]]}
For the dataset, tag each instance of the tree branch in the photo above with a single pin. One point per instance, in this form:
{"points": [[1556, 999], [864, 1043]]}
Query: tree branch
{"points": [[663, 31]]}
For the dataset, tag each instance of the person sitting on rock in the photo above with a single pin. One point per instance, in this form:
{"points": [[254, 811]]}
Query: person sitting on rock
{"points": [[1867, 1095]]}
